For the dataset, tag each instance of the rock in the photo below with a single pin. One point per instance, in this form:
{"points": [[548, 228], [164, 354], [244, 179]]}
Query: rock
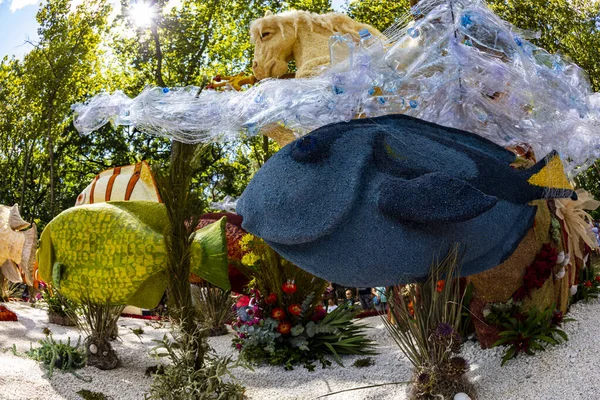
{"points": [[461, 396]]}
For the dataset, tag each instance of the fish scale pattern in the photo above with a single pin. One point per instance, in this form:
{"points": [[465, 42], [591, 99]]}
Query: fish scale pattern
{"points": [[92, 244]]}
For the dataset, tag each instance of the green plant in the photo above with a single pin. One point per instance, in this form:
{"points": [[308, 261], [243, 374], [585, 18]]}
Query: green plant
{"points": [[8, 289], [531, 332], [498, 313], [466, 318], [363, 362], [213, 306], [99, 322], [59, 355], [427, 318], [183, 379], [56, 302], [89, 395], [282, 322], [589, 285]]}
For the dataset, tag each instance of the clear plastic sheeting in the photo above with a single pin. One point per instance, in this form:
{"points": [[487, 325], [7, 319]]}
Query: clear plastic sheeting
{"points": [[457, 65]]}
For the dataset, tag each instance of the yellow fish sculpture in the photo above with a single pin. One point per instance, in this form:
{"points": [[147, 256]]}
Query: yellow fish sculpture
{"points": [[115, 251]]}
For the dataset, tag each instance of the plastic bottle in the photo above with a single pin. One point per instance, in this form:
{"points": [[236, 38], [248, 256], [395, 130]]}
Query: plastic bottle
{"points": [[372, 60], [341, 49]]}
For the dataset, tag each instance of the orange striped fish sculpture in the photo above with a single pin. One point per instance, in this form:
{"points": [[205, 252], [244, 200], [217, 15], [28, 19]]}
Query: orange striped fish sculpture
{"points": [[131, 182]]}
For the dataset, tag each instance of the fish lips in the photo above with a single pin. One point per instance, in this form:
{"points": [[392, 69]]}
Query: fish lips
{"points": [[292, 202]]}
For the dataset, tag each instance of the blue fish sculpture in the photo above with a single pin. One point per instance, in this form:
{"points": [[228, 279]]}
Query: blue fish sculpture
{"points": [[372, 202]]}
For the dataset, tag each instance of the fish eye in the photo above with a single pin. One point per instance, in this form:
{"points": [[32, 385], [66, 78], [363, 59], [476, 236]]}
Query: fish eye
{"points": [[309, 149]]}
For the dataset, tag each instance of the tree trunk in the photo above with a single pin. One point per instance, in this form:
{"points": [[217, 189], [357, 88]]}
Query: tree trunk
{"points": [[28, 151], [266, 148]]}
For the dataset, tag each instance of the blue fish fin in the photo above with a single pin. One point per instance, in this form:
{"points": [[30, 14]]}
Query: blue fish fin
{"points": [[432, 198]]}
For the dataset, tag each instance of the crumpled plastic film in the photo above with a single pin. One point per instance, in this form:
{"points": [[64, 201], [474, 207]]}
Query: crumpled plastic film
{"points": [[458, 65]]}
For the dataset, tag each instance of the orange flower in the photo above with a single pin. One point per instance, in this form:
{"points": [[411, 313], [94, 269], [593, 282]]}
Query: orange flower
{"points": [[278, 314], [411, 308], [284, 328], [440, 286], [295, 309]]}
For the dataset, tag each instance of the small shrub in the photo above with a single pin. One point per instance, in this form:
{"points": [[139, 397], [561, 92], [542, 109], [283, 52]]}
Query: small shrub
{"points": [[59, 355], [190, 375], [282, 322], [99, 322], [530, 333], [364, 362], [57, 303], [214, 307], [588, 287], [427, 318], [89, 395]]}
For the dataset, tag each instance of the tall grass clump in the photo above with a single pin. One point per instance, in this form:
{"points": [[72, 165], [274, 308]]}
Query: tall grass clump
{"points": [[425, 321]]}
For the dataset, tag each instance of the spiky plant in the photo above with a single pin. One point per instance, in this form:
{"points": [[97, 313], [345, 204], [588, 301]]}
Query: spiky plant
{"points": [[99, 322], [214, 307], [427, 318]]}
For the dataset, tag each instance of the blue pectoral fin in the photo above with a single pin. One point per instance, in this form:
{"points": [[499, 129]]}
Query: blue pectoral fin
{"points": [[432, 198]]}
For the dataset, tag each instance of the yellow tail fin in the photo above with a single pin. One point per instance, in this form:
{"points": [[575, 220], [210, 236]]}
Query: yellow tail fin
{"points": [[551, 173]]}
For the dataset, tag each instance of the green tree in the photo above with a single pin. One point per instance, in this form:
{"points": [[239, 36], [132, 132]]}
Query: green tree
{"points": [[570, 27]]}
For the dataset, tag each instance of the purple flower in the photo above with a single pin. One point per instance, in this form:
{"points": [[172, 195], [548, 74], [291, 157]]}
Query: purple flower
{"points": [[444, 330], [238, 346]]}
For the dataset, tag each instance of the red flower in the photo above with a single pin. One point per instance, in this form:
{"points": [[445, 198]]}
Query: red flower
{"points": [[597, 278], [319, 313], [557, 317], [278, 314], [587, 284], [271, 299], [520, 293], [284, 327], [289, 287], [440, 286], [243, 301], [295, 309]]}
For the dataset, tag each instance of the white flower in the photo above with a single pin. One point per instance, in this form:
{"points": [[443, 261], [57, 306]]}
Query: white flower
{"points": [[560, 273], [486, 312], [573, 290], [560, 258], [566, 260]]}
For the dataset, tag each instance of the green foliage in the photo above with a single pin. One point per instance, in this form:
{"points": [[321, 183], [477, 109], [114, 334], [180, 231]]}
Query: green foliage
{"points": [[269, 271], [530, 333], [498, 313], [427, 317], [213, 306], [363, 362], [379, 13], [307, 342], [286, 324], [588, 287], [57, 303], [466, 318], [566, 26], [59, 355], [8, 289], [89, 395], [183, 379]]}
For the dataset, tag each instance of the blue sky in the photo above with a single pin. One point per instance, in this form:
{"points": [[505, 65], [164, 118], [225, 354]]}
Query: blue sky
{"points": [[17, 23]]}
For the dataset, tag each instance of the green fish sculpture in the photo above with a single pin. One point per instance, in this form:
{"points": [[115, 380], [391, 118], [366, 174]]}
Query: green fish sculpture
{"points": [[116, 252]]}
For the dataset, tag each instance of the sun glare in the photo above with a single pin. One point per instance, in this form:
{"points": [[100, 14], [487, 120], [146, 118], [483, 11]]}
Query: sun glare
{"points": [[142, 14]]}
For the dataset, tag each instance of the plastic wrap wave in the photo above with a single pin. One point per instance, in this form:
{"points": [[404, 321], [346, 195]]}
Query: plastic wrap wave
{"points": [[458, 65]]}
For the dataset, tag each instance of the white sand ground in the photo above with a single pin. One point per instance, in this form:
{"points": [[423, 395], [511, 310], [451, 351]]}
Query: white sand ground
{"points": [[567, 371]]}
